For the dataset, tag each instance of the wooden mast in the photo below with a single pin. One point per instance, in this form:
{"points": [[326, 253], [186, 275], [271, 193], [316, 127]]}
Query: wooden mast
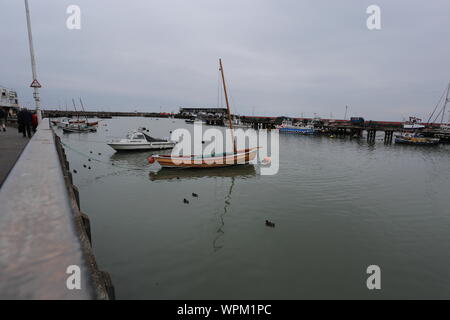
{"points": [[230, 122]]}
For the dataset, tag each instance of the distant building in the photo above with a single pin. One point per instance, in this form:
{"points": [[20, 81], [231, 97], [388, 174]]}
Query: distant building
{"points": [[9, 100]]}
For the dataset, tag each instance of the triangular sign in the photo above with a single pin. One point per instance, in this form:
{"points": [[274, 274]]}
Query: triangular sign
{"points": [[35, 84]]}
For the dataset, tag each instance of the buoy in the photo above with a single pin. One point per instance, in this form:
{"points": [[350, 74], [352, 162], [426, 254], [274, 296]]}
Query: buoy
{"points": [[150, 159], [266, 161]]}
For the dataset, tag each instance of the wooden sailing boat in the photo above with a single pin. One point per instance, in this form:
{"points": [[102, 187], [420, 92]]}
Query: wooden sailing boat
{"points": [[236, 157]]}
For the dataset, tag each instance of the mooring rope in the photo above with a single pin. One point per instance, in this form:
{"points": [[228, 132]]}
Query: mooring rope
{"points": [[100, 161]]}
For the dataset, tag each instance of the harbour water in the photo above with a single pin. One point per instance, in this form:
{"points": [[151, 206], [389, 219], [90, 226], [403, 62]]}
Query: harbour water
{"points": [[339, 205]]}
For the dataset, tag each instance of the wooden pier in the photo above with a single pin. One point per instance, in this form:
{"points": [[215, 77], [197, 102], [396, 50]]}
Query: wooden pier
{"points": [[324, 126]]}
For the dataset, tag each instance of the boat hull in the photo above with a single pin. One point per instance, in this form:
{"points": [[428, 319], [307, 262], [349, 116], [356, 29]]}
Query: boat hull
{"points": [[79, 130], [131, 147], [239, 158], [297, 130], [418, 141]]}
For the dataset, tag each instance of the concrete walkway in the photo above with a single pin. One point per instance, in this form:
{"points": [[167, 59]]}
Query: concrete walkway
{"points": [[11, 146]]}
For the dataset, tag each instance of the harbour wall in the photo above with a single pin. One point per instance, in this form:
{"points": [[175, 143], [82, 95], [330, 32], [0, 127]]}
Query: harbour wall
{"points": [[43, 233]]}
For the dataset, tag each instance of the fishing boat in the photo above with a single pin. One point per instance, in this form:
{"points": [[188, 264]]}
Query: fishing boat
{"points": [[139, 140], [288, 127], [225, 159], [415, 139]]}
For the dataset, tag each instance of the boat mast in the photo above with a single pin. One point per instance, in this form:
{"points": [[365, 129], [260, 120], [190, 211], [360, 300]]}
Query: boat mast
{"points": [[78, 115], [230, 122], [445, 104], [82, 107]]}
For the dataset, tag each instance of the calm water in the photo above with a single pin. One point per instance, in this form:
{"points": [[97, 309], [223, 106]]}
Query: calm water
{"points": [[339, 206]]}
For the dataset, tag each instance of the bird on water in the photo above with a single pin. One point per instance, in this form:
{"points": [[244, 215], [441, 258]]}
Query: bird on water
{"points": [[270, 224], [185, 200]]}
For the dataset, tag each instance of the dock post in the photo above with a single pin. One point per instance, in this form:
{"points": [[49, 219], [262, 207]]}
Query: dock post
{"points": [[371, 133], [388, 136]]}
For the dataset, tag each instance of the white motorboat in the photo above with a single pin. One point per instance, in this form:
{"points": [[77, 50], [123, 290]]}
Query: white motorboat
{"points": [[413, 124], [139, 140]]}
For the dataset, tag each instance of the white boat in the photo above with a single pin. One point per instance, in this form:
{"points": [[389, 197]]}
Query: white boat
{"points": [[413, 124], [138, 140], [61, 123]]}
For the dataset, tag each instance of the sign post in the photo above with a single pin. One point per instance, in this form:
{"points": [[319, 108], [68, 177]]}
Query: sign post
{"points": [[35, 84]]}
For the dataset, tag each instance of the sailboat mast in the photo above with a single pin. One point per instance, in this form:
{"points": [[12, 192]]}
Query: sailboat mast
{"points": [[82, 107], [230, 122], [445, 104], [78, 114]]}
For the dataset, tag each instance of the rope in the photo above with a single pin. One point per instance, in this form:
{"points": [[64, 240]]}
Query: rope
{"points": [[100, 161], [437, 105]]}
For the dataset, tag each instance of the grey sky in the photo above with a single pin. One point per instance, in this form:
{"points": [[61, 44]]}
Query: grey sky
{"points": [[280, 57]]}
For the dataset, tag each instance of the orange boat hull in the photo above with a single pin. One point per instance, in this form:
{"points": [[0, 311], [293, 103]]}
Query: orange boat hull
{"points": [[240, 157]]}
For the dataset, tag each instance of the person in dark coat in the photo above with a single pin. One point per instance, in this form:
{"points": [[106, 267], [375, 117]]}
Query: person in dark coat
{"points": [[24, 120], [3, 118]]}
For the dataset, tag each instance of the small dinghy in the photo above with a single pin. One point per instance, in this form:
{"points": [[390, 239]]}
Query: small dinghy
{"points": [[139, 140]]}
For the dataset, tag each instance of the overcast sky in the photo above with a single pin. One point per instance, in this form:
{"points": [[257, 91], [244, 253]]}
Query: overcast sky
{"points": [[280, 57]]}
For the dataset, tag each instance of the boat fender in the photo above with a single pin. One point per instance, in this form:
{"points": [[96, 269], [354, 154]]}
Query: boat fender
{"points": [[266, 161]]}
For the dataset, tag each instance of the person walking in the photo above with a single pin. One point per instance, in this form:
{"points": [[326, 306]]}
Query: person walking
{"points": [[3, 118], [24, 121], [20, 120], [34, 121]]}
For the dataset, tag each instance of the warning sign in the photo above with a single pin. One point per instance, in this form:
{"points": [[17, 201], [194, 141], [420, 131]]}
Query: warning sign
{"points": [[35, 84]]}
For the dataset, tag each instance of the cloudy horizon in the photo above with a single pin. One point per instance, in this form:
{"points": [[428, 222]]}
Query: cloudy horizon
{"points": [[292, 58]]}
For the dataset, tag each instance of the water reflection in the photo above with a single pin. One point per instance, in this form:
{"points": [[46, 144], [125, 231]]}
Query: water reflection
{"points": [[195, 173], [220, 231], [132, 159]]}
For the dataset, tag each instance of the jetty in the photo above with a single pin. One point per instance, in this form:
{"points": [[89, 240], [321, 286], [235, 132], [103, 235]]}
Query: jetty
{"points": [[217, 116]]}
